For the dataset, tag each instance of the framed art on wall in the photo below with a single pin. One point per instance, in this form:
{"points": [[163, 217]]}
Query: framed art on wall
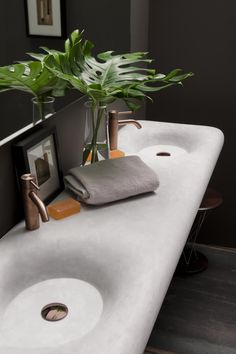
{"points": [[38, 154], [45, 18]]}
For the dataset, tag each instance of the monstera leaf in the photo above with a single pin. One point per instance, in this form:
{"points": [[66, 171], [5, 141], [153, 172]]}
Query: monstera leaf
{"points": [[109, 76], [31, 77]]}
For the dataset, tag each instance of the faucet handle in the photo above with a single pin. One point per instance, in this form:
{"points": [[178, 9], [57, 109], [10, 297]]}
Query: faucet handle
{"points": [[28, 177], [29, 180], [34, 185], [115, 114], [114, 122], [124, 113]]}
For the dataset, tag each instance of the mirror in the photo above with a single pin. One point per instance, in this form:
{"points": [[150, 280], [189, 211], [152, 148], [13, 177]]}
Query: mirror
{"points": [[101, 23]]}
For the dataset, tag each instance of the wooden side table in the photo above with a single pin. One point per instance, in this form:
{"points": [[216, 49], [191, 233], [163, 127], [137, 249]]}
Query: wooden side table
{"points": [[191, 260]]}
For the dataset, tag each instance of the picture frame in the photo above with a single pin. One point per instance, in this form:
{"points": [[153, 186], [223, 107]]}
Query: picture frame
{"points": [[38, 154], [45, 18]]}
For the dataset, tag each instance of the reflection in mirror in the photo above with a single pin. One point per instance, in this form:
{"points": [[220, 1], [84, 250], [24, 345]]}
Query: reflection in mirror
{"points": [[96, 18]]}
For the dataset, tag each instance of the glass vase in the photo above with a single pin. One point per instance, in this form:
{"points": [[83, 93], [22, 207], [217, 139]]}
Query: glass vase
{"points": [[43, 108], [96, 142]]}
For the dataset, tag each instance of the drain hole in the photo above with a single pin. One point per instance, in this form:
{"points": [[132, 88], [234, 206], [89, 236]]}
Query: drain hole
{"points": [[163, 153], [54, 312]]}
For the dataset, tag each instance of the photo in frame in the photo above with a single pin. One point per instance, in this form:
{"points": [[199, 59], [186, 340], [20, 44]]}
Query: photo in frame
{"points": [[38, 154], [45, 18]]}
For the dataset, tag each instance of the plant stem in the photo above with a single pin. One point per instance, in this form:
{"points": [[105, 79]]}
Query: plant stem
{"points": [[40, 106], [99, 111], [93, 147]]}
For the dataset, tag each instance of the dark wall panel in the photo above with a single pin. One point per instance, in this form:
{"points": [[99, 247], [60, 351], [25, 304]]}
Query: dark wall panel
{"points": [[200, 36]]}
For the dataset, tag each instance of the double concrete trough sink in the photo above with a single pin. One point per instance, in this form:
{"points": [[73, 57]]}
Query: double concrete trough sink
{"points": [[94, 282]]}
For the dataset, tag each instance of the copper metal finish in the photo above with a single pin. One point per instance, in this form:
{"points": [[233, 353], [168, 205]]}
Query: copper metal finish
{"points": [[40, 205], [114, 123], [54, 312], [130, 121], [33, 205]]}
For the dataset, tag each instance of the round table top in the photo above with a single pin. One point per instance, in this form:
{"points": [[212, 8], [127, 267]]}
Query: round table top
{"points": [[211, 200]]}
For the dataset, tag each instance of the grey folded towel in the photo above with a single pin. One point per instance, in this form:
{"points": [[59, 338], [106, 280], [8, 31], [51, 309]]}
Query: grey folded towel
{"points": [[109, 180]]}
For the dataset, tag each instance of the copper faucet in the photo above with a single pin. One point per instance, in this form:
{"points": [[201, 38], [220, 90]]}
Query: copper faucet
{"points": [[33, 205], [114, 123]]}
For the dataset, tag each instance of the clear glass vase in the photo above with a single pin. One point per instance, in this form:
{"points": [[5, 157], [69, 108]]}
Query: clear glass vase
{"points": [[43, 108], [96, 142]]}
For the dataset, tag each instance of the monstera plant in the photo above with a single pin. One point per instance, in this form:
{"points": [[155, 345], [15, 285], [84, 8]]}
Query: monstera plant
{"points": [[34, 78], [105, 78]]}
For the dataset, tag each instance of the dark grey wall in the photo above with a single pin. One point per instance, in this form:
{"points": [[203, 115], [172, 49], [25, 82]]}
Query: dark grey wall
{"points": [[105, 24], [200, 36]]}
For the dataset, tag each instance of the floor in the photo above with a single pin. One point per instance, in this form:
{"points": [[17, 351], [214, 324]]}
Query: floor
{"points": [[198, 315]]}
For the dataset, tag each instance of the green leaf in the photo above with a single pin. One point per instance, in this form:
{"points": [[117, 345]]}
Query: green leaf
{"points": [[109, 76], [131, 105], [31, 77], [182, 77], [37, 56]]}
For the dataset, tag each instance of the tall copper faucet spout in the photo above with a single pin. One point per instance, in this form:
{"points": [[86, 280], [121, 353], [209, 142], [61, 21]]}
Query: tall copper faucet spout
{"points": [[40, 205], [114, 122], [130, 121]]}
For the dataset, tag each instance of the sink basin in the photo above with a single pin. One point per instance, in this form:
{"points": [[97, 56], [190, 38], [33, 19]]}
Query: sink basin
{"points": [[68, 265], [186, 137], [39, 274], [23, 327], [109, 267]]}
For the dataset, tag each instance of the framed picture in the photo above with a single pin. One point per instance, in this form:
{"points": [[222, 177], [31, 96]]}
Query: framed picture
{"points": [[45, 18], [38, 154]]}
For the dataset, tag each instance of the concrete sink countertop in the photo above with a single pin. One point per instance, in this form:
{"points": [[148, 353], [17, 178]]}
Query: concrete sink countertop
{"points": [[110, 265]]}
